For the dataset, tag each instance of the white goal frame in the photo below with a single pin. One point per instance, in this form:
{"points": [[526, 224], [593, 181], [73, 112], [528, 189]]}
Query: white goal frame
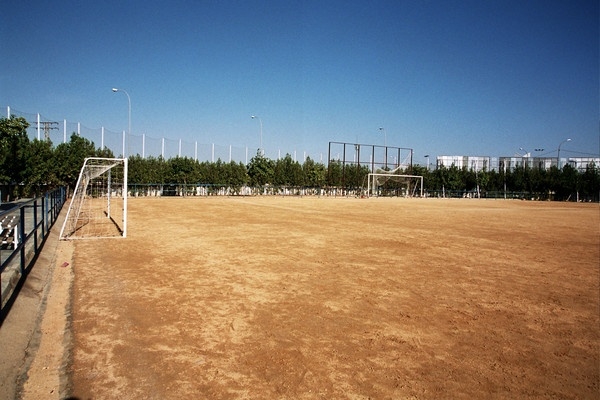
{"points": [[372, 186], [98, 207]]}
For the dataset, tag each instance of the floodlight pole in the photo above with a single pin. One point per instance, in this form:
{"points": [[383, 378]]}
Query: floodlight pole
{"points": [[260, 121], [558, 155], [427, 157], [129, 117]]}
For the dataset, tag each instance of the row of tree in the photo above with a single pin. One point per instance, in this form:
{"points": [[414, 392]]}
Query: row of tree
{"points": [[30, 167]]}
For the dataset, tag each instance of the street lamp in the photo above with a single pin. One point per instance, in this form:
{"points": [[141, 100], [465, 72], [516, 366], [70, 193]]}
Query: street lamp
{"points": [[129, 124], [384, 136], [260, 121], [558, 156], [427, 157], [525, 156]]}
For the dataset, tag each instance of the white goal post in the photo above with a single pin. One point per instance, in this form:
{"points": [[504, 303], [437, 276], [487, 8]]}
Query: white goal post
{"points": [[98, 207], [377, 183]]}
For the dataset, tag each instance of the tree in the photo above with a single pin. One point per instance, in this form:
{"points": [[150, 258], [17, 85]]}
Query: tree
{"points": [[455, 179], [40, 167], [70, 157], [483, 178], [469, 179], [288, 172], [568, 183], [334, 173], [260, 170], [181, 170], [235, 175], [539, 182], [238, 175], [13, 152], [554, 181], [428, 178], [136, 167], [314, 173], [590, 183]]}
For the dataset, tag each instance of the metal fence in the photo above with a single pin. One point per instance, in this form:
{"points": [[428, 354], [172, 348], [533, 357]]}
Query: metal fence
{"points": [[60, 130], [23, 240]]}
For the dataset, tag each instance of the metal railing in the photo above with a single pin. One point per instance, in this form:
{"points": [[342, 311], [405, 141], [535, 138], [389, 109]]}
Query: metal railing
{"points": [[34, 218]]}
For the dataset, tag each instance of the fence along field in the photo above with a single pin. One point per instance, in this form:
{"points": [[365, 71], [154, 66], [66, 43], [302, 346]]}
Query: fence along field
{"points": [[286, 297]]}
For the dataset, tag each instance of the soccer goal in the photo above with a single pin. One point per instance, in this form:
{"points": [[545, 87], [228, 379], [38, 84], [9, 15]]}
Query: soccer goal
{"points": [[98, 207], [389, 184]]}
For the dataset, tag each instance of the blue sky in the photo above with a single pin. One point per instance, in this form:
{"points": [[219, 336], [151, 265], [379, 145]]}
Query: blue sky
{"points": [[443, 77]]}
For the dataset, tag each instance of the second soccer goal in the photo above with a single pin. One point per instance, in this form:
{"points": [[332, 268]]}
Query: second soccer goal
{"points": [[98, 207]]}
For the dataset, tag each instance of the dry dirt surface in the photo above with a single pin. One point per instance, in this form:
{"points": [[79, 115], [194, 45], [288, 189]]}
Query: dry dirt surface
{"points": [[323, 298]]}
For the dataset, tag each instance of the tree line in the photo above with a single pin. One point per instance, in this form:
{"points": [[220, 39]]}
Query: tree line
{"points": [[31, 167]]}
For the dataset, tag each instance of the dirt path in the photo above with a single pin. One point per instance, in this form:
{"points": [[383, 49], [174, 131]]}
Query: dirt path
{"points": [[48, 373]]}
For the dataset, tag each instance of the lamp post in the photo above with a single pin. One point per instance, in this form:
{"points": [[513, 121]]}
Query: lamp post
{"points": [[558, 156], [525, 156], [427, 157], [260, 121], [129, 115]]}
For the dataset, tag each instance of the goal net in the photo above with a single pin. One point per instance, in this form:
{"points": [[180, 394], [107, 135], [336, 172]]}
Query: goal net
{"points": [[389, 184], [98, 207]]}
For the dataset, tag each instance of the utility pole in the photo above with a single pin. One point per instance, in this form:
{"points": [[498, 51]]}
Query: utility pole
{"points": [[48, 126]]}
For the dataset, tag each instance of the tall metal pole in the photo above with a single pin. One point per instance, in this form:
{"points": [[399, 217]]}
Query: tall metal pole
{"points": [[260, 121], [558, 155], [129, 116]]}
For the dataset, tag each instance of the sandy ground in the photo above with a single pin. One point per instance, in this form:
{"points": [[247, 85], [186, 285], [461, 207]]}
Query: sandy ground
{"points": [[321, 298]]}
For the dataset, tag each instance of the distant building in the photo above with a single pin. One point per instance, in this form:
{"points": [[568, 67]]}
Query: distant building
{"points": [[480, 163], [581, 163], [477, 163]]}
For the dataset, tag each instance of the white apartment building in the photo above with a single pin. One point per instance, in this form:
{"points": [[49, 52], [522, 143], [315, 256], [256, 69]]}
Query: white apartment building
{"points": [[480, 163]]}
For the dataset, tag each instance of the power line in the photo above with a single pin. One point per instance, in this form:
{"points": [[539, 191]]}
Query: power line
{"points": [[579, 152], [48, 126]]}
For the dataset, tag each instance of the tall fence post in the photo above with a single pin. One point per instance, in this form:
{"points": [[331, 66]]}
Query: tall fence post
{"points": [[45, 209], [35, 224], [22, 237]]}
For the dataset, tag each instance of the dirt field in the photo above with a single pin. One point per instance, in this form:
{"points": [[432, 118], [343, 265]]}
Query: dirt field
{"points": [[321, 298]]}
